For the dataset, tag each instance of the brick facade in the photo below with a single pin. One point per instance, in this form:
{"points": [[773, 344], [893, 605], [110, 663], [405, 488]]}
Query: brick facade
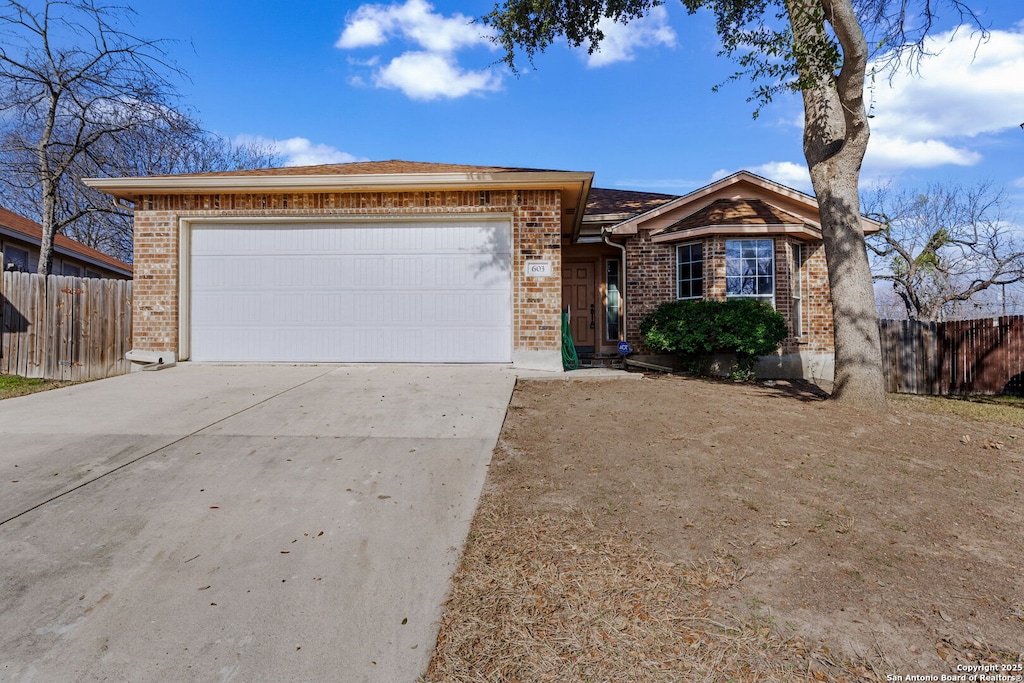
{"points": [[536, 234], [651, 280]]}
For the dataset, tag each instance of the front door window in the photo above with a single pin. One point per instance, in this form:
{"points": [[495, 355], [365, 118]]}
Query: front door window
{"points": [[613, 303]]}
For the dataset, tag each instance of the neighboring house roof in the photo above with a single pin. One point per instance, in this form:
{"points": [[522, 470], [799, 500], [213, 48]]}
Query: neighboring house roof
{"points": [[791, 211], [19, 227], [364, 176]]}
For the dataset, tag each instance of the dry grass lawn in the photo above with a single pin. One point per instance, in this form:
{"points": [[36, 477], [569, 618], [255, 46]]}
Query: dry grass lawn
{"points": [[677, 529]]}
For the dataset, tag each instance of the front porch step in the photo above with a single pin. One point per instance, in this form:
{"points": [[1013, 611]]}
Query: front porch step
{"points": [[597, 360]]}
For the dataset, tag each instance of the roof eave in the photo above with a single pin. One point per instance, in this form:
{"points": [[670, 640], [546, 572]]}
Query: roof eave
{"points": [[607, 217], [577, 215], [574, 186], [131, 188], [800, 231]]}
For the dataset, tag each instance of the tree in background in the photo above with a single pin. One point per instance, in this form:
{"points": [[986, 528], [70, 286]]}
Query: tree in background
{"points": [[817, 48], [943, 247], [175, 144], [80, 97]]}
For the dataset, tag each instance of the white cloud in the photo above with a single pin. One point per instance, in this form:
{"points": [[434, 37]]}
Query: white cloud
{"points": [[300, 151], [785, 173], [1019, 182], [428, 76], [897, 152], [362, 32], [622, 40], [372, 25], [964, 88], [431, 72]]}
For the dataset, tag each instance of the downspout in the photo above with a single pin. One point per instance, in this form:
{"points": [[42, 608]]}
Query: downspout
{"points": [[606, 237]]}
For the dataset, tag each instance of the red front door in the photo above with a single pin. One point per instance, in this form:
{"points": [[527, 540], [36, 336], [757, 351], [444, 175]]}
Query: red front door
{"points": [[578, 295]]}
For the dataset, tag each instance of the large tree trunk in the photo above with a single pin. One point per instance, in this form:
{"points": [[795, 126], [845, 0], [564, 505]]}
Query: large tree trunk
{"points": [[835, 140], [859, 378]]}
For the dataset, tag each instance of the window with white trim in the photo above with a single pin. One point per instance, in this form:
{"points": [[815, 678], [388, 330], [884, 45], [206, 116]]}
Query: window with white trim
{"points": [[690, 271], [795, 281], [750, 269]]}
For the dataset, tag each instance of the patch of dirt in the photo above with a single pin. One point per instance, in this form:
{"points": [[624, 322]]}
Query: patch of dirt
{"points": [[789, 539]]}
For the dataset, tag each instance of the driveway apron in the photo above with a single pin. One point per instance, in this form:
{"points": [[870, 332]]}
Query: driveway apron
{"points": [[239, 523]]}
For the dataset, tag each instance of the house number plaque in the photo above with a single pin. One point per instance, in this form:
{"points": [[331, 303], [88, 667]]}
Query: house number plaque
{"points": [[538, 269]]}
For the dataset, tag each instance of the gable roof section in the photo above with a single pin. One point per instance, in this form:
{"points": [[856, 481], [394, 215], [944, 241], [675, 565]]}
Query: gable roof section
{"points": [[739, 217], [364, 176], [19, 227], [735, 212], [778, 206]]}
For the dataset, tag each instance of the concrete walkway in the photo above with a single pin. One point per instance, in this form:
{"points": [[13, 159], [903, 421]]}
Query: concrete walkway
{"points": [[239, 523]]}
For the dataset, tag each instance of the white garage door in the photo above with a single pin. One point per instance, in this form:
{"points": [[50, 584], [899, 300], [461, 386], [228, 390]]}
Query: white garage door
{"points": [[352, 292]]}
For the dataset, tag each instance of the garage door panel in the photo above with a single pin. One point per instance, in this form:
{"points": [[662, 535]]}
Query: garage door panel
{"points": [[375, 307], [417, 292], [467, 310], [234, 308]]}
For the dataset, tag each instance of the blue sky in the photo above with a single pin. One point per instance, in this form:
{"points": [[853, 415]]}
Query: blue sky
{"points": [[328, 81]]}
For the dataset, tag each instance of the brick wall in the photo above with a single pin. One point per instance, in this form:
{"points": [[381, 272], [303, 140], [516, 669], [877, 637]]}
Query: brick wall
{"points": [[652, 281], [536, 234]]}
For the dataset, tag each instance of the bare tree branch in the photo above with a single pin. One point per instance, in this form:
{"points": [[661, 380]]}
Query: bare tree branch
{"points": [[944, 246], [82, 97]]}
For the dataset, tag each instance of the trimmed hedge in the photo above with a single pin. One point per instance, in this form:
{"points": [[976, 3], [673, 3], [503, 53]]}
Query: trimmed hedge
{"points": [[692, 328]]}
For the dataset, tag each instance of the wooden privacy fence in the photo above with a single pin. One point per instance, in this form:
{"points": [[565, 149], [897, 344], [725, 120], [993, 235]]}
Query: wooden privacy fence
{"points": [[66, 328], [983, 356]]}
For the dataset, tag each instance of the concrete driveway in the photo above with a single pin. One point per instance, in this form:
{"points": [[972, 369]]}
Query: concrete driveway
{"points": [[239, 523]]}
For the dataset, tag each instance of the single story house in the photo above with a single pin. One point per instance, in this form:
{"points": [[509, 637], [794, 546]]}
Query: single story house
{"points": [[19, 250], [398, 261]]}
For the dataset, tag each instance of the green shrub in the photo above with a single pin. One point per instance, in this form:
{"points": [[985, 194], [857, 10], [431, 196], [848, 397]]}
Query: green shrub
{"points": [[693, 328]]}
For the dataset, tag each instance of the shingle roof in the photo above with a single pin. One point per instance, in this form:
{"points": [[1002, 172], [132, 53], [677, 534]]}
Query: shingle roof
{"points": [[603, 202], [34, 231], [735, 212], [390, 167]]}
